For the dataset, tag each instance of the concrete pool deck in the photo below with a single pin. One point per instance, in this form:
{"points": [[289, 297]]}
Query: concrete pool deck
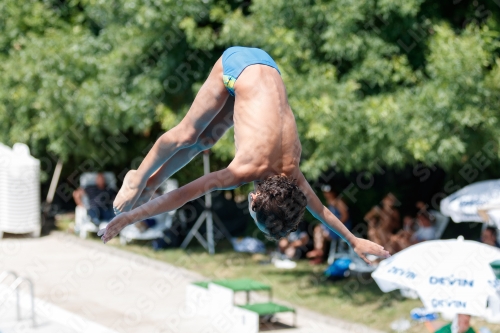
{"points": [[117, 291]]}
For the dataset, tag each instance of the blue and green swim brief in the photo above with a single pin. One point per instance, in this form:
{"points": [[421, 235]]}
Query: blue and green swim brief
{"points": [[235, 59]]}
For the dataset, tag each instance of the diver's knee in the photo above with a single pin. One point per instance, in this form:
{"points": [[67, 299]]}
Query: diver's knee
{"points": [[205, 141], [184, 136]]}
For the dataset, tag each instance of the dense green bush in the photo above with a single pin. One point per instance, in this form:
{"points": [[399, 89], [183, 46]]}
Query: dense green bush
{"points": [[371, 83]]}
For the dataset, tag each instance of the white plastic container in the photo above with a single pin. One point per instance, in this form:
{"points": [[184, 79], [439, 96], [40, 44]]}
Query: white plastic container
{"points": [[19, 191]]}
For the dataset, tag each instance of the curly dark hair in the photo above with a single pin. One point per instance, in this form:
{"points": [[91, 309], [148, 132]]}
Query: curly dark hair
{"points": [[279, 205]]}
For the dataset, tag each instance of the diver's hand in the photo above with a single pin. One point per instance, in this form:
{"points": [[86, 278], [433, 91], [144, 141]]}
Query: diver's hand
{"points": [[362, 247], [114, 227], [129, 193]]}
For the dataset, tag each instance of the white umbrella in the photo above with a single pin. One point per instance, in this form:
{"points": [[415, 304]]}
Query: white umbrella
{"points": [[449, 276], [463, 205]]}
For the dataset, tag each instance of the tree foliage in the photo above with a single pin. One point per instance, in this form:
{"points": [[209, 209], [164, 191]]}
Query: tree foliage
{"points": [[370, 82]]}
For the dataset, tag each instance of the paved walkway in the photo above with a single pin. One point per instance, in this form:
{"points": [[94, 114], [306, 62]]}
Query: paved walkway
{"points": [[48, 317], [95, 288]]}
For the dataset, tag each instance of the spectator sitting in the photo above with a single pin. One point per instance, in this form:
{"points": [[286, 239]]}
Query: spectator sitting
{"points": [[415, 230], [78, 196], [321, 232], [460, 325], [489, 236], [294, 246], [383, 221], [100, 200], [425, 220]]}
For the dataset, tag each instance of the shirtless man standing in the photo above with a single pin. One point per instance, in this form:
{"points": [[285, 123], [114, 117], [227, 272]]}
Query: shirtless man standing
{"points": [[244, 89]]}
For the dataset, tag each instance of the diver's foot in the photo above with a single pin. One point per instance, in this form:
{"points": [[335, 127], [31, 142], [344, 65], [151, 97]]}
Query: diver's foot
{"points": [[129, 192]]}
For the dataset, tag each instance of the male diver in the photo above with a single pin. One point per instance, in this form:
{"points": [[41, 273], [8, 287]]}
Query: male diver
{"points": [[244, 89]]}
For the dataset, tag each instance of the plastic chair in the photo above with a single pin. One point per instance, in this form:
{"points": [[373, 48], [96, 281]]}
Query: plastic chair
{"points": [[358, 265], [83, 223], [163, 221], [19, 191]]}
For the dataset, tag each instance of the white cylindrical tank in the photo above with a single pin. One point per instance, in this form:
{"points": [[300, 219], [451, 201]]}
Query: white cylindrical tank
{"points": [[19, 190]]}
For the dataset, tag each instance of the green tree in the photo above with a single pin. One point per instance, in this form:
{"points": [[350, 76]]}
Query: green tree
{"points": [[371, 83], [377, 83]]}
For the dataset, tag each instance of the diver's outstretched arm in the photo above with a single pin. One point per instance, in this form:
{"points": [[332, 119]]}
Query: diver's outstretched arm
{"points": [[223, 179], [361, 246]]}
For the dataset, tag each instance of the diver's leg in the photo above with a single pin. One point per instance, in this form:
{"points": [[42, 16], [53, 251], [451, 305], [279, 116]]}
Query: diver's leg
{"points": [[214, 131], [207, 104]]}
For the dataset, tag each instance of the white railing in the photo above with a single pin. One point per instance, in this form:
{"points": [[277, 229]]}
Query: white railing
{"points": [[14, 287]]}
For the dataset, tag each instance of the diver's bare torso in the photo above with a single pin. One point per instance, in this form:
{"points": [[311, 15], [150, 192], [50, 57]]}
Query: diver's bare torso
{"points": [[265, 132]]}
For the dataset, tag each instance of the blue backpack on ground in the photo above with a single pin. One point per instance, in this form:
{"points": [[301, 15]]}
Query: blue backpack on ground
{"points": [[339, 269]]}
